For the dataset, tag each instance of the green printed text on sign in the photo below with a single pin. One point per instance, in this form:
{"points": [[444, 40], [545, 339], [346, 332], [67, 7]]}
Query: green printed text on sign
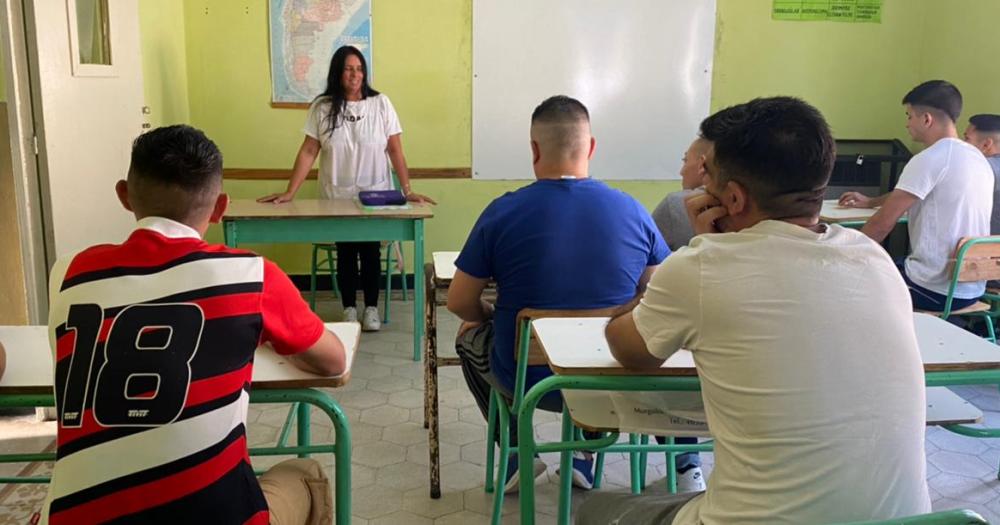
{"points": [[832, 10]]}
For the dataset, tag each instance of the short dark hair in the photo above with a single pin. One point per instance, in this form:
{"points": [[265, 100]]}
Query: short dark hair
{"points": [[560, 108], [175, 172], [780, 149], [986, 122], [937, 94]]}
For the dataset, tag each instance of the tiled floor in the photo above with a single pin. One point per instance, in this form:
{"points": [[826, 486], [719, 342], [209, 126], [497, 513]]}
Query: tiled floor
{"points": [[389, 464]]}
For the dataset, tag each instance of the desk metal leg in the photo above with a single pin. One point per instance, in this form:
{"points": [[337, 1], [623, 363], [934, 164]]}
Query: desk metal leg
{"points": [[431, 388], [418, 285], [303, 420]]}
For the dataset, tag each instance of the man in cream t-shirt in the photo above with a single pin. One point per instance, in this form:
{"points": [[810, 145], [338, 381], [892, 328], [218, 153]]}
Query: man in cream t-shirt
{"points": [[947, 190], [813, 422]]}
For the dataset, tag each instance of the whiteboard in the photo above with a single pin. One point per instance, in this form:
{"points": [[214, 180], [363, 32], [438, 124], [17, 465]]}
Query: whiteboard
{"points": [[642, 67]]}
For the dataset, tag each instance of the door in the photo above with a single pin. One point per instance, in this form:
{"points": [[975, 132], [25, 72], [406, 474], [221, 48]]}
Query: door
{"points": [[87, 98]]}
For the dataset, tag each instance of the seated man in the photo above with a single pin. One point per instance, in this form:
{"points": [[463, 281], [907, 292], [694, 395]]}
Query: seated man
{"points": [[947, 190], [802, 335], [154, 342], [672, 220], [670, 215], [565, 241], [983, 132]]}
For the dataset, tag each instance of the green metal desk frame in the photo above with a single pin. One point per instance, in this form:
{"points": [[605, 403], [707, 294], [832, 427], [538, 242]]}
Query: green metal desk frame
{"points": [[246, 230], [527, 447], [341, 448]]}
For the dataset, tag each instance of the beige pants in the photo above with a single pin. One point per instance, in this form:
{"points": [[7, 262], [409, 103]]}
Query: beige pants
{"points": [[298, 493]]}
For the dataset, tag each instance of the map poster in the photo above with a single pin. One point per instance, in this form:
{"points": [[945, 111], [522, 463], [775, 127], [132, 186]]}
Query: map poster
{"points": [[828, 10], [304, 35]]}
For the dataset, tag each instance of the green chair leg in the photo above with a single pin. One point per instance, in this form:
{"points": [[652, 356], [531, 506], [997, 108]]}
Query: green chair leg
{"points": [[633, 458], [402, 273], [491, 424], [332, 265], [599, 469], [671, 469], [643, 462], [501, 474], [303, 418], [312, 279], [388, 282], [565, 470]]}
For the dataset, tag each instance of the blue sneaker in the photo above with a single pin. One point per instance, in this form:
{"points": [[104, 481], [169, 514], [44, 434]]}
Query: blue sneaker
{"points": [[512, 474], [583, 471]]}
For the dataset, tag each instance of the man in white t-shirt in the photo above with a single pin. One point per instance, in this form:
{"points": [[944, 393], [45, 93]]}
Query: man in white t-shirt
{"points": [[947, 190], [813, 423]]}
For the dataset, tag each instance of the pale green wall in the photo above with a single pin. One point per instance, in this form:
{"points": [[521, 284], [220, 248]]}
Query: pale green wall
{"points": [[855, 73], [164, 64], [964, 52]]}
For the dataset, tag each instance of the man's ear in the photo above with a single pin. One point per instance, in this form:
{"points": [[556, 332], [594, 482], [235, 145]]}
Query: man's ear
{"points": [[928, 119], [737, 201], [121, 189], [593, 146], [221, 203], [536, 153]]}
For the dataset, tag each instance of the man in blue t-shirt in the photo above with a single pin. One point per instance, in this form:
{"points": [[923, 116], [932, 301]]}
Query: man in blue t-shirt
{"points": [[563, 242]]}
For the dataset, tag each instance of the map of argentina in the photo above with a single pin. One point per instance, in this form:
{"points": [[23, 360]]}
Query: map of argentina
{"points": [[304, 35]]}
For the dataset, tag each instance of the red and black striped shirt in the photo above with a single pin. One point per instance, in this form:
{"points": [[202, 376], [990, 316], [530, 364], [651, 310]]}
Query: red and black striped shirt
{"points": [[153, 343]]}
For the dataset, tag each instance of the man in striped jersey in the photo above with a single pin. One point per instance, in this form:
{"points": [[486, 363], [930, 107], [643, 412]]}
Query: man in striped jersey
{"points": [[154, 341]]}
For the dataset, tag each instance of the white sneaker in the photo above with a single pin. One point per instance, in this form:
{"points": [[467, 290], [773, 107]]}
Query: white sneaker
{"points": [[350, 314], [371, 321], [691, 481]]}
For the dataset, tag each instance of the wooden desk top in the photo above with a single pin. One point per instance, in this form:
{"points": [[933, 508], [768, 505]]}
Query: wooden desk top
{"points": [[577, 346], [319, 208], [29, 362], [833, 213]]}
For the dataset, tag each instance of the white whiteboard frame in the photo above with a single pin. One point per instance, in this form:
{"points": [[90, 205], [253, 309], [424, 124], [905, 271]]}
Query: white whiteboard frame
{"points": [[642, 67]]}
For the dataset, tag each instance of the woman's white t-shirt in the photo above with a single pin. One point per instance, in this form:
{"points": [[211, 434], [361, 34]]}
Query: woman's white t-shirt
{"points": [[353, 158]]}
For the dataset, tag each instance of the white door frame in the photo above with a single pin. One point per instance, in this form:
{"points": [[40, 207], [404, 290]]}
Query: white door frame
{"points": [[23, 144]]}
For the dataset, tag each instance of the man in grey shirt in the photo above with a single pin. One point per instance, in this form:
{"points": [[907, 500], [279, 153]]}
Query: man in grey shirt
{"points": [[983, 133], [670, 216]]}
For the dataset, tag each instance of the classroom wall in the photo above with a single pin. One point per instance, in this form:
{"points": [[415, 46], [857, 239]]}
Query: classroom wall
{"points": [[855, 73], [962, 49], [13, 296], [164, 62]]}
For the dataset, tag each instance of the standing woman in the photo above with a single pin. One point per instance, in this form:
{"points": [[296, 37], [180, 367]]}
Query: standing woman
{"points": [[354, 130]]}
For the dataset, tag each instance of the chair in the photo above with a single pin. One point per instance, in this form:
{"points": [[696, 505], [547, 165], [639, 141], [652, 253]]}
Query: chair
{"points": [[329, 265], [947, 517], [976, 259], [527, 353]]}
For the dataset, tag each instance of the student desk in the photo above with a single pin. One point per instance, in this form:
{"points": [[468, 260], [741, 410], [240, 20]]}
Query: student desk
{"points": [[438, 275], [579, 356], [27, 382], [833, 213], [328, 220]]}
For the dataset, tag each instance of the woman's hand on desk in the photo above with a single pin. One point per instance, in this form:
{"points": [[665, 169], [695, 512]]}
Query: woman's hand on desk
{"points": [[416, 197], [277, 198]]}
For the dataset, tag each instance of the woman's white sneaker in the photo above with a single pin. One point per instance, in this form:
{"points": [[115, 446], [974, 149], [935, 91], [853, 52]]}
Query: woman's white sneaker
{"points": [[350, 314], [371, 322]]}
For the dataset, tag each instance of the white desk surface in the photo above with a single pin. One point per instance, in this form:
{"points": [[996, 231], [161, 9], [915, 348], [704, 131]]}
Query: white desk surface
{"points": [[313, 208], [444, 265], [577, 346], [29, 362], [834, 213]]}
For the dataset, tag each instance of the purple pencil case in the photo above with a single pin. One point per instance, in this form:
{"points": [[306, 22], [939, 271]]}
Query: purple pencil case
{"points": [[381, 198]]}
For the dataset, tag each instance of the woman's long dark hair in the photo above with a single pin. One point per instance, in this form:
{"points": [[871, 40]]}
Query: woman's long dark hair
{"points": [[334, 91]]}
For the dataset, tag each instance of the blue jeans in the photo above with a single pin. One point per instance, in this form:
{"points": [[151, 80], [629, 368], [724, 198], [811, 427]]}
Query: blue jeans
{"points": [[687, 460], [924, 299]]}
